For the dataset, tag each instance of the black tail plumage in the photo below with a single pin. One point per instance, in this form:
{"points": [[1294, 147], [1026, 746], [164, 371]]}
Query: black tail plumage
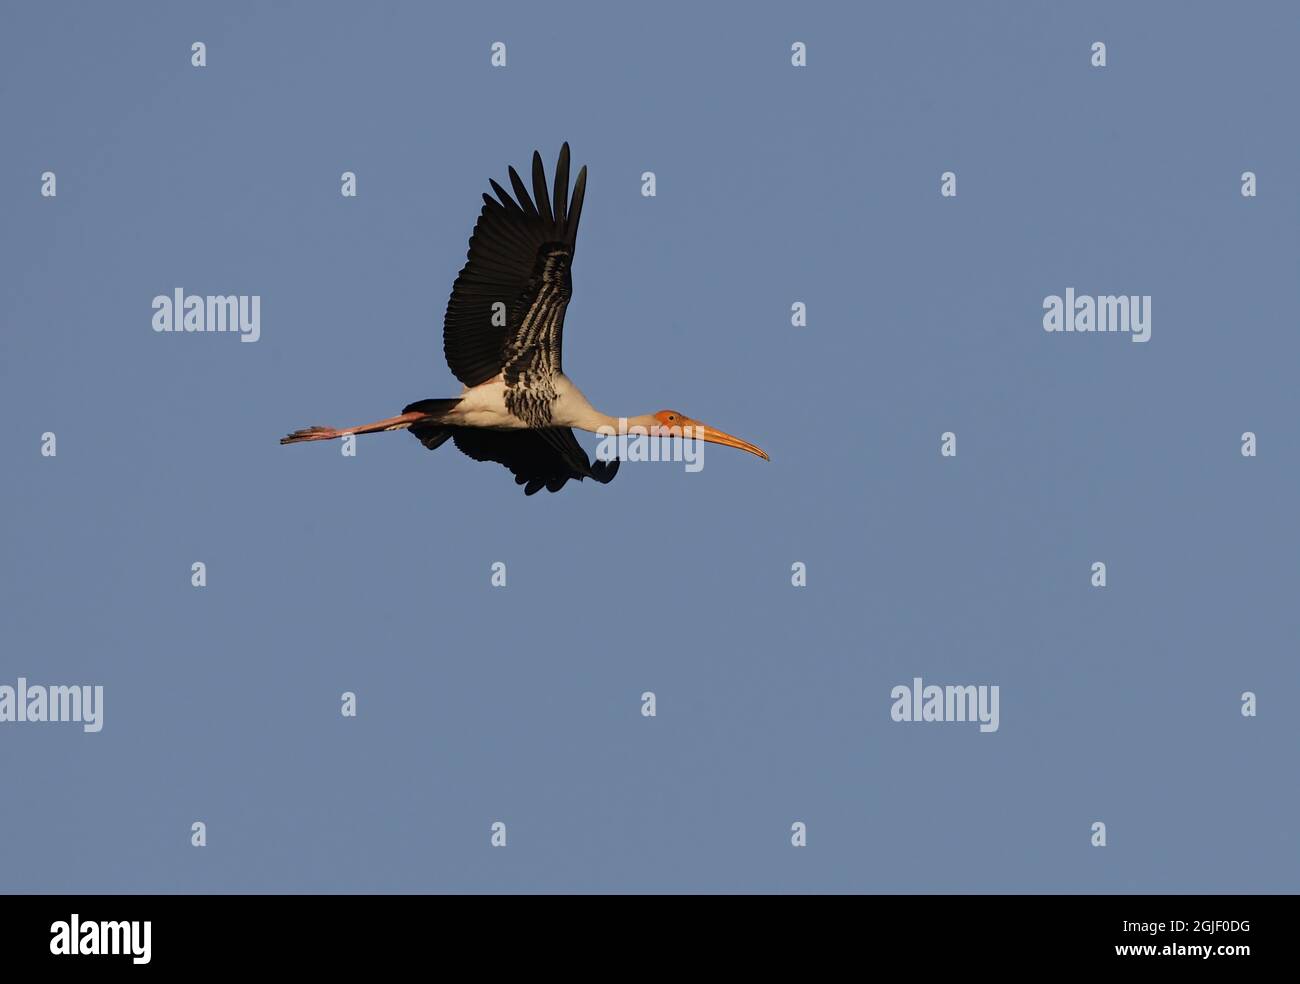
{"points": [[430, 432]]}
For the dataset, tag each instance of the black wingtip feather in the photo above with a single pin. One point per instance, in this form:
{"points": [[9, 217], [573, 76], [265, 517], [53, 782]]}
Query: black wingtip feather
{"points": [[540, 191], [503, 197], [575, 206], [604, 471], [562, 185], [525, 203]]}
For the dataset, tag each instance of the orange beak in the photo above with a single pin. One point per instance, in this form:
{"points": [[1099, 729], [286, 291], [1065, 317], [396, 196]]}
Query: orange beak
{"points": [[693, 428]]}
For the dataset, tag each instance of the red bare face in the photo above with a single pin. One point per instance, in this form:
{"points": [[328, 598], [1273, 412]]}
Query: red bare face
{"points": [[674, 423]]}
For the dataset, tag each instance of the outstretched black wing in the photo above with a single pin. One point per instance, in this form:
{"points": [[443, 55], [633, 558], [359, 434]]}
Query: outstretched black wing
{"points": [[506, 311], [545, 458]]}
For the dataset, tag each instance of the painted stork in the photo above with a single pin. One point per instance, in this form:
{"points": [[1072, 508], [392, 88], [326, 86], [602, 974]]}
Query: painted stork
{"points": [[501, 336]]}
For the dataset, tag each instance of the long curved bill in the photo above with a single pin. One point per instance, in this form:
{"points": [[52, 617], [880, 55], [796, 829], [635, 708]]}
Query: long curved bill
{"points": [[715, 436]]}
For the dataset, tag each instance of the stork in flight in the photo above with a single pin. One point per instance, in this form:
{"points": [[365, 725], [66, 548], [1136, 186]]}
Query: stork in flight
{"points": [[501, 336]]}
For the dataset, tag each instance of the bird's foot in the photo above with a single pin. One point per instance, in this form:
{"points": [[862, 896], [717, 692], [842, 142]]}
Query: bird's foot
{"points": [[311, 434]]}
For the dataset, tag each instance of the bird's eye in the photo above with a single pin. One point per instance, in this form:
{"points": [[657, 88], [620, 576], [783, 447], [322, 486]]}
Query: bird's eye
{"points": [[672, 417]]}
